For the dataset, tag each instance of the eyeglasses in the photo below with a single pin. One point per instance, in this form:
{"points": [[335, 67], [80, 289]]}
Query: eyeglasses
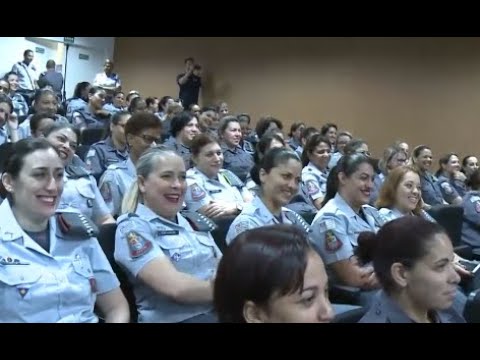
{"points": [[364, 152], [150, 139]]}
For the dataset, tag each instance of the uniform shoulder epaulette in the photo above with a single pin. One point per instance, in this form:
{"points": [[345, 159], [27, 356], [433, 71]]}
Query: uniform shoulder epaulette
{"points": [[127, 216], [198, 221], [76, 225], [297, 220], [231, 178]]}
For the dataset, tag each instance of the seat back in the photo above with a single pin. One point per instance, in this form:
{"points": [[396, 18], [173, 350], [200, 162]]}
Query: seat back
{"points": [[220, 233], [451, 218], [106, 238], [91, 136], [472, 307]]}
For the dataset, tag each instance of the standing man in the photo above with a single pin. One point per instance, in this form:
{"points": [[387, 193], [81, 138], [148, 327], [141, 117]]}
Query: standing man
{"points": [[108, 80], [27, 76], [52, 78], [189, 83]]}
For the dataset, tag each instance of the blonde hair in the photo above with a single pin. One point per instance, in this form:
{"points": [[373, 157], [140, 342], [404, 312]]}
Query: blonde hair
{"points": [[388, 191], [144, 167]]}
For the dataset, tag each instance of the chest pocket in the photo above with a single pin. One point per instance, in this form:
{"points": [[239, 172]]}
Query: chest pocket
{"points": [[20, 289], [179, 251], [81, 275]]}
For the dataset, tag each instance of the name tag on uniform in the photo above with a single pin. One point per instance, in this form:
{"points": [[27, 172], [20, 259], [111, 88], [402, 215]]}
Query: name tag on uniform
{"points": [[9, 261], [215, 191], [168, 232]]}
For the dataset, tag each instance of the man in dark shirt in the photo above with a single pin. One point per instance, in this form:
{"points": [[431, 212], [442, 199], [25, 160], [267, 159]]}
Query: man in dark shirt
{"points": [[52, 78], [189, 83]]}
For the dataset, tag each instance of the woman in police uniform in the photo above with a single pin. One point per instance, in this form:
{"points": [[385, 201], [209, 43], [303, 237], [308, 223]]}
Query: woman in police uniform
{"points": [[213, 191], [279, 178], [413, 262], [450, 179], [81, 191], [422, 160], [315, 158], [171, 259], [52, 269], [142, 130], [343, 217]]}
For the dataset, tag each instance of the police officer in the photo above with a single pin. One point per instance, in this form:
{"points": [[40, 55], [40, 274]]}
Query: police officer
{"points": [[315, 158], [52, 269], [422, 159], [93, 116], [245, 144], [343, 217], [343, 138], [79, 100], [235, 158], [451, 180], [213, 191], [183, 128], [279, 176], [80, 191], [171, 258], [9, 130], [110, 151], [408, 295], [295, 135], [142, 131], [45, 101]]}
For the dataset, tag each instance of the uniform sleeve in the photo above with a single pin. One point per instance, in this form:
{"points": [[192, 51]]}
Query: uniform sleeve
{"points": [[94, 162], [196, 196], [448, 191], [105, 278], [314, 188], [239, 225], [110, 192], [23, 130], [77, 120], [331, 240], [96, 81], [471, 210], [135, 245], [100, 209]]}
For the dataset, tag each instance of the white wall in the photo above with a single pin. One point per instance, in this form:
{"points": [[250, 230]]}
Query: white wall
{"points": [[97, 48]]}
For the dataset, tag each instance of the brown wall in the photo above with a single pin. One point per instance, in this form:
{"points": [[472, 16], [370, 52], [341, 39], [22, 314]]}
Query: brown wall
{"points": [[424, 90]]}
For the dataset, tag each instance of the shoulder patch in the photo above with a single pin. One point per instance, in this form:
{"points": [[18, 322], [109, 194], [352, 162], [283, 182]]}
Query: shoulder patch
{"points": [[447, 188], [137, 244], [477, 206], [241, 227], [332, 243], [312, 187], [197, 192], [106, 191]]}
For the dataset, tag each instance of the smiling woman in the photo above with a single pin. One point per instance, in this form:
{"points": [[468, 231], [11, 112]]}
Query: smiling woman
{"points": [[49, 244], [171, 259]]}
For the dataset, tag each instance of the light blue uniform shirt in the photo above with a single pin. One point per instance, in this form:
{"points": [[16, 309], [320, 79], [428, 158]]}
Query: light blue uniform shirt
{"points": [[56, 286], [115, 182], [202, 190], [336, 227], [315, 181], [145, 236], [256, 214], [102, 154], [471, 219]]}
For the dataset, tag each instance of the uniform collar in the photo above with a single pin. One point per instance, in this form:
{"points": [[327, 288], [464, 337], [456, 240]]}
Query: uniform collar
{"points": [[130, 166], [148, 215], [314, 168], [395, 314], [224, 147], [342, 205], [111, 146], [262, 212], [197, 171], [10, 230]]}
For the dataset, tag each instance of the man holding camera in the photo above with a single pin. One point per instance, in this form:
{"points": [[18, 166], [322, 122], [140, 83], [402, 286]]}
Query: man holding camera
{"points": [[189, 82]]}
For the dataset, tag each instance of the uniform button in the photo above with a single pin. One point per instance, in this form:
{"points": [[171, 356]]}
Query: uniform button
{"points": [[378, 312], [77, 257], [22, 278]]}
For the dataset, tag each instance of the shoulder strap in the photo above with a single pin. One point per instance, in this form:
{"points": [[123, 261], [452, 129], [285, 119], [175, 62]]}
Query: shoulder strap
{"points": [[232, 179], [297, 220], [76, 226], [198, 221]]}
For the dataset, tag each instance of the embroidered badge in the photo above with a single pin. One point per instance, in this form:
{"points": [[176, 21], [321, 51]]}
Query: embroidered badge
{"points": [[137, 244], [312, 187], [106, 192], [197, 192], [332, 244]]}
